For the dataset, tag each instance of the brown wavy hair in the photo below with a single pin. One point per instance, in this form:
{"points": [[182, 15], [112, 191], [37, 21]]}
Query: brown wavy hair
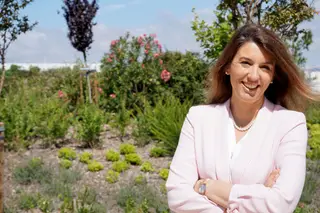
{"points": [[289, 87]]}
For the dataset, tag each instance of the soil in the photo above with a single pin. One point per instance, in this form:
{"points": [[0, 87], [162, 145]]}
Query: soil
{"points": [[95, 180]]}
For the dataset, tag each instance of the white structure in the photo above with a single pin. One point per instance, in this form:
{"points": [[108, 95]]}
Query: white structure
{"points": [[46, 66]]}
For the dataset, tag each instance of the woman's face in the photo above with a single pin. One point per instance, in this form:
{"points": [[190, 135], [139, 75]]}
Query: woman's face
{"points": [[251, 71]]}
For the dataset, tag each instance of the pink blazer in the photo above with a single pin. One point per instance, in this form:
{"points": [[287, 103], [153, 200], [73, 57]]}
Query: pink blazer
{"points": [[278, 139]]}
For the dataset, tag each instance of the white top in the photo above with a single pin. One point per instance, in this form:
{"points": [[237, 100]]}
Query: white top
{"points": [[234, 147]]}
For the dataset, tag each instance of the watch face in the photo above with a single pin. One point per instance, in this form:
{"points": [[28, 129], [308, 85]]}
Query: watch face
{"points": [[202, 188]]}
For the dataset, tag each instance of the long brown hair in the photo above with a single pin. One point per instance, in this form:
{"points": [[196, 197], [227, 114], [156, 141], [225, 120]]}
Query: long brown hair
{"points": [[289, 88]]}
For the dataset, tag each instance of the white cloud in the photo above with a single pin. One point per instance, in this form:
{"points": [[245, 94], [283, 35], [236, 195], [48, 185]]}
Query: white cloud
{"points": [[114, 7], [49, 46]]}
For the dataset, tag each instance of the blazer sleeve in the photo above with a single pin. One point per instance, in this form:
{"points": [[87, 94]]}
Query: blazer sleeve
{"points": [[183, 175], [285, 193]]}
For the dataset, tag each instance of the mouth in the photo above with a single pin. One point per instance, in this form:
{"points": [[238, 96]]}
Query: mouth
{"points": [[250, 86]]}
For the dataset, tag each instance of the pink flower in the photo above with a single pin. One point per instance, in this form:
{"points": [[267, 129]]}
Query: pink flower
{"points": [[140, 39], [142, 65], [109, 59], [114, 42], [148, 46], [165, 75], [146, 51], [113, 95], [100, 90], [156, 55], [159, 46], [60, 94], [160, 61], [111, 55], [144, 35], [156, 42], [153, 35], [142, 44]]}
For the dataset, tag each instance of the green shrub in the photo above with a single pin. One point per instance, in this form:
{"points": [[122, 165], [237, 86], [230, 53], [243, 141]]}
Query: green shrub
{"points": [[157, 152], [85, 157], [34, 171], [141, 198], [313, 113], [165, 121], [89, 121], [140, 180], [164, 173], [28, 201], [95, 166], [67, 153], [126, 148], [133, 159], [112, 176], [135, 71], [120, 166], [112, 155], [147, 167], [65, 163], [314, 142], [55, 119]]}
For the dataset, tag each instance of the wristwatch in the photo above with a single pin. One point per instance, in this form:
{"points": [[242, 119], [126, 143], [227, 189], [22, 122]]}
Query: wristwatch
{"points": [[203, 187]]}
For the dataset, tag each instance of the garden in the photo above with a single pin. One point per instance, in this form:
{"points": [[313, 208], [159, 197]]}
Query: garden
{"points": [[68, 155], [103, 142]]}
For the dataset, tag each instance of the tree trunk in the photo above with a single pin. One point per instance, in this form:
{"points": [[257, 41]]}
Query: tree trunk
{"points": [[3, 72], [1, 166]]}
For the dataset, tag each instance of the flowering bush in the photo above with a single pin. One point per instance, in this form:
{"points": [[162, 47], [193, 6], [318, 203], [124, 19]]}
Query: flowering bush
{"points": [[138, 69]]}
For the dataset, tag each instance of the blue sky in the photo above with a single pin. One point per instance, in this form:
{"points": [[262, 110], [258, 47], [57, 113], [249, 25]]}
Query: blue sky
{"points": [[169, 19]]}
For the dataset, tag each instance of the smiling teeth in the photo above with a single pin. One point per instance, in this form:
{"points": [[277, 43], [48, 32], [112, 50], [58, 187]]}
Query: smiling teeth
{"points": [[251, 86]]}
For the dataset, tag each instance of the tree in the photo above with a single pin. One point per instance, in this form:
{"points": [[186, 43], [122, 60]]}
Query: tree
{"points": [[282, 16], [79, 15], [11, 26]]}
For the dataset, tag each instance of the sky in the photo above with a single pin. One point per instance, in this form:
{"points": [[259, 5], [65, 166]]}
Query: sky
{"points": [[170, 20]]}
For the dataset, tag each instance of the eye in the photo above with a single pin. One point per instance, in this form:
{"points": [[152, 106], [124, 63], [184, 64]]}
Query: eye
{"points": [[266, 67], [245, 62]]}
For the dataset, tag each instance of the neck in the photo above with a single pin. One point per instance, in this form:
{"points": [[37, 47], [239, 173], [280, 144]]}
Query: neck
{"points": [[243, 112]]}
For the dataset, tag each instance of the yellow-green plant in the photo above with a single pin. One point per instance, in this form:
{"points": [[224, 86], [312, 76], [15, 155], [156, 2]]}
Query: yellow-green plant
{"points": [[157, 152], [140, 179], [95, 166], [65, 163], [146, 167], [127, 148], [67, 153], [112, 155], [85, 157], [112, 176], [133, 159], [120, 166], [314, 142], [164, 173]]}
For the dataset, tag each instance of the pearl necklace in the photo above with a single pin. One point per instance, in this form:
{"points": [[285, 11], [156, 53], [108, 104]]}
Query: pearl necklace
{"points": [[245, 128]]}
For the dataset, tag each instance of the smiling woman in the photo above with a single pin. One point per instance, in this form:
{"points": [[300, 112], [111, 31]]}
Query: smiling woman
{"points": [[239, 152]]}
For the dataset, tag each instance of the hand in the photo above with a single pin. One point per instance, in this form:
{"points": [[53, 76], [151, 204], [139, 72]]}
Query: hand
{"points": [[197, 185], [271, 180]]}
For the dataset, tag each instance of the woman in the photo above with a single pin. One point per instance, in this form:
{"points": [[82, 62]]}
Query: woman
{"points": [[246, 150]]}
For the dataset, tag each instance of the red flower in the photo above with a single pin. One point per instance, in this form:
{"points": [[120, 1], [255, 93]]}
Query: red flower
{"points": [[100, 90], [60, 94], [113, 95], [165, 75], [146, 51], [114, 42], [160, 61], [156, 55]]}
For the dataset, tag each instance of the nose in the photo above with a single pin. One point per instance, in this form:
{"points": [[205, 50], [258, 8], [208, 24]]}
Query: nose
{"points": [[253, 74]]}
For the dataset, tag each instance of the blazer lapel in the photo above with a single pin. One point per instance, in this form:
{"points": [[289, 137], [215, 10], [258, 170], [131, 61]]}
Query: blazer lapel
{"points": [[255, 138], [221, 143]]}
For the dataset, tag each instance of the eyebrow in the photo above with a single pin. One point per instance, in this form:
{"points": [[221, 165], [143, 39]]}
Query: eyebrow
{"points": [[248, 59]]}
